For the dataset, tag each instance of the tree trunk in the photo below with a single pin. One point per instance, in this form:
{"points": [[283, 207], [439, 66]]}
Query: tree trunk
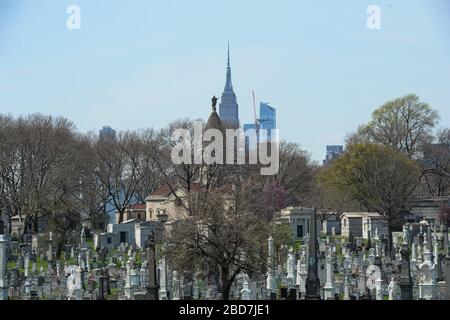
{"points": [[121, 213], [390, 241], [226, 287], [35, 224]]}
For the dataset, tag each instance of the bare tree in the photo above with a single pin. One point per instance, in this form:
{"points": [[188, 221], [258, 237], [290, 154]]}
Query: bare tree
{"points": [[436, 165], [121, 169], [93, 196], [295, 174], [223, 232]]}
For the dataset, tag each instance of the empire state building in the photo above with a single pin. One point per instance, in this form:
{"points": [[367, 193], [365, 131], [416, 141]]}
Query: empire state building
{"points": [[228, 107]]}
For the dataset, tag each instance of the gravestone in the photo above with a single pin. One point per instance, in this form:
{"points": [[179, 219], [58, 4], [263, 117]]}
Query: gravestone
{"points": [[292, 294], [312, 281], [152, 287], [4, 243], [406, 283], [447, 275], [283, 293], [35, 241]]}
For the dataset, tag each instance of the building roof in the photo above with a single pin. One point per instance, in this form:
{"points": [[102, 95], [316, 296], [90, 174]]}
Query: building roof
{"points": [[163, 190], [214, 121], [358, 214], [140, 206], [296, 210]]}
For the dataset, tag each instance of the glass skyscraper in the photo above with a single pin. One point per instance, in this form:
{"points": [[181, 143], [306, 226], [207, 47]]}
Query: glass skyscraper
{"points": [[107, 134], [333, 151], [265, 125], [267, 121]]}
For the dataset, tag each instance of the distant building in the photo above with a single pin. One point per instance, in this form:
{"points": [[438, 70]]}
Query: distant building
{"points": [[134, 212], [298, 218], [129, 232], [330, 222], [360, 223], [267, 121], [333, 152], [427, 208], [228, 107], [107, 133]]}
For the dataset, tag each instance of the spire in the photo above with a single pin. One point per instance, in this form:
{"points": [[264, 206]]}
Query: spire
{"points": [[228, 84], [228, 64]]}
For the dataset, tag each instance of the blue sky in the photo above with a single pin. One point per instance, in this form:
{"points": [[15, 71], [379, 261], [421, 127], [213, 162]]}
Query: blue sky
{"points": [[141, 63]]}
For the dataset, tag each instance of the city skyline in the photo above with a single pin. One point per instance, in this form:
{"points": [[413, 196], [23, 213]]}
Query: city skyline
{"points": [[143, 71]]}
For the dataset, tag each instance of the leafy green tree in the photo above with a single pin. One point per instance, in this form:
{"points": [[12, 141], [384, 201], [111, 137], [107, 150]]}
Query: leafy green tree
{"points": [[378, 177], [404, 123]]}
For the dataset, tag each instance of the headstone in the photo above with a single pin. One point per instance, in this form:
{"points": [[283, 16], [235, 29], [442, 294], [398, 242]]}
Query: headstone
{"points": [[292, 294], [427, 285], [392, 288], [163, 280], [270, 282], [406, 283], [26, 265], [4, 243], [34, 241], [82, 239], [346, 288], [152, 288], [302, 272], [447, 275], [329, 287], [312, 280], [291, 269]]}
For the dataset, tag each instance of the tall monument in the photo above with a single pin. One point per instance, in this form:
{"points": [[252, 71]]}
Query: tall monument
{"points": [[228, 107], [312, 281]]}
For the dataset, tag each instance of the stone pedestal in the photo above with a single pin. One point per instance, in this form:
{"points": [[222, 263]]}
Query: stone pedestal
{"points": [[406, 283], [312, 281], [447, 277], [3, 281]]}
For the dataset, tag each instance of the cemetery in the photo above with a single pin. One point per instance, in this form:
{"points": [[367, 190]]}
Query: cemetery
{"points": [[325, 266]]}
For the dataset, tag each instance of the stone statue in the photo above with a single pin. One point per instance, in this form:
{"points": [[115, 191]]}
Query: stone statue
{"points": [[392, 288], [214, 103]]}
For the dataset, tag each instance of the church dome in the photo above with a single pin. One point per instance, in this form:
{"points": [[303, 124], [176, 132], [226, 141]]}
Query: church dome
{"points": [[214, 120]]}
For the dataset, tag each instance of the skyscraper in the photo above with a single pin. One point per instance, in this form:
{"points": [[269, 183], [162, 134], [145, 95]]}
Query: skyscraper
{"points": [[228, 107], [267, 120], [265, 125], [107, 134], [332, 153]]}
